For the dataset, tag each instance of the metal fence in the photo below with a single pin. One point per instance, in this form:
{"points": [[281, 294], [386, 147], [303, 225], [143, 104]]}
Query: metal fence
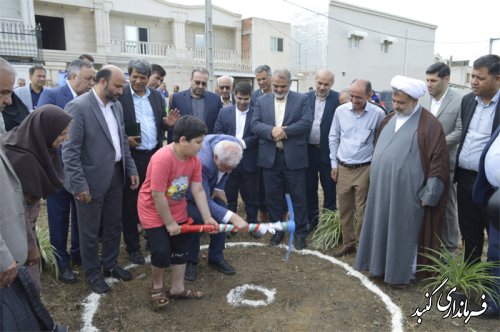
{"points": [[19, 42]]}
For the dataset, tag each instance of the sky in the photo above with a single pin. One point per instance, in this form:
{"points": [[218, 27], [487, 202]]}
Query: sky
{"points": [[464, 27]]}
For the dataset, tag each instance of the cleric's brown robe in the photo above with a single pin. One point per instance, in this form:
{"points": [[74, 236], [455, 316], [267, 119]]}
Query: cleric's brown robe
{"points": [[435, 163]]}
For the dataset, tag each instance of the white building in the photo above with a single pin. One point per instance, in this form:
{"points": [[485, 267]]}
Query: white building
{"points": [[368, 44]]}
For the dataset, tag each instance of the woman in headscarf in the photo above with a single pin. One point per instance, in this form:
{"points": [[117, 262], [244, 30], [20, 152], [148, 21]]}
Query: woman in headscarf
{"points": [[33, 150]]}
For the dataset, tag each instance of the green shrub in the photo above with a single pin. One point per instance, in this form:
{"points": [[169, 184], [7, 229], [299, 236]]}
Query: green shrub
{"points": [[328, 233], [47, 251], [472, 279]]}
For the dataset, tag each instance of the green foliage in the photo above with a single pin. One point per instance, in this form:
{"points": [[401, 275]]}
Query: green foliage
{"points": [[47, 251], [472, 279], [328, 234]]}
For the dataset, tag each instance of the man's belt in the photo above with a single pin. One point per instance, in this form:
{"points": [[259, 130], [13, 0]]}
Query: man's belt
{"points": [[351, 166]]}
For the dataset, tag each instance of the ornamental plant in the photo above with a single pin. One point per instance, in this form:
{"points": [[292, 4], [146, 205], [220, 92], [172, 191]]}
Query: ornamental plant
{"points": [[328, 233]]}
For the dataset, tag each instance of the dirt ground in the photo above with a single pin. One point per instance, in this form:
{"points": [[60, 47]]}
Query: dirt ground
{"points": [[311, 294]]}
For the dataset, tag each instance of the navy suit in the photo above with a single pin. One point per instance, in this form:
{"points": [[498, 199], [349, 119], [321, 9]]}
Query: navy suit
{"points": [[472, 218], [213, 104], [319, 161], [141, 159], [62, 203], [284, 166], [245, 177], [218, 209]]}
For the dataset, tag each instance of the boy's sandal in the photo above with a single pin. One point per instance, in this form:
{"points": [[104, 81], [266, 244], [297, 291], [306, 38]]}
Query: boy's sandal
{"points": [[158, 298], [187, 294]]}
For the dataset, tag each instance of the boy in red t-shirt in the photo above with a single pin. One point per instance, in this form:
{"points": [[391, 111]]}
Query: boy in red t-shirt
{"points": [[162, 207]]}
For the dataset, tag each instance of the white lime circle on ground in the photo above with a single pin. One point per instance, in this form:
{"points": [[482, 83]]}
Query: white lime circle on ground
{"points": [[236, 297]]}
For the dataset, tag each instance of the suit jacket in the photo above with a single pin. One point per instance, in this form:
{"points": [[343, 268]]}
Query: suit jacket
{"points": [[467, 109], [482, 189], [59, 96], [298, 119], [256, 95], [13, 235], [89, 155], [210, 174], [24, 93], [213, 104], [449, 116], [157, 104], [332, 102], [226, 124]]}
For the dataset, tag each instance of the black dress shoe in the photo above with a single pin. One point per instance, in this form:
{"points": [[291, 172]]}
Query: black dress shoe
{"points": [[137, 258], [492, 312], [191, 273], [98, 285], [277, 238], [67, 276], [118, 273], [300, 243], [223, 267]]}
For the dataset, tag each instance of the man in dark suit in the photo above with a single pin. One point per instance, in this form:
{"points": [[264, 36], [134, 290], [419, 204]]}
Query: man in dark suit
{"points": [[96, 162], [143, 109], [323, 103], [80, 79], [235, 120], [219, 155], [480, 114], [263, 78], [197, 101], [283, 122]]}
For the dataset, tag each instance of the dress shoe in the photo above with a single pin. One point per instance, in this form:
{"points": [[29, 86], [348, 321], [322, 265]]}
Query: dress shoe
{"points": [[344, 250], [223, 267], [98, 285], [118, 273], [67, 276], [300, 243], [191, 272], [492, 312], [277, 238], [137, 258]]}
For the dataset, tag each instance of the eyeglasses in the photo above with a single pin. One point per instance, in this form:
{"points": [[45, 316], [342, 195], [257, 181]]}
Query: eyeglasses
{"points": [[202, 83], [224, 87]]}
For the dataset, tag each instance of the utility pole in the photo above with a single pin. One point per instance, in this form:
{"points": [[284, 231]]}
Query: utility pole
{"points": [[209, 45], [491, 44]]}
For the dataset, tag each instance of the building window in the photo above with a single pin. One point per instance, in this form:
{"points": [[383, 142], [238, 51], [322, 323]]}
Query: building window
{"points": [[199, 41], [276, 44], [467, 78], [136, 39], [354, 37], [385, 42], [53, 36]]}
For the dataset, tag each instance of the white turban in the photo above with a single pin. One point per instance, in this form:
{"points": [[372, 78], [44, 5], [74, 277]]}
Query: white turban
{"points": [[411, 86]]}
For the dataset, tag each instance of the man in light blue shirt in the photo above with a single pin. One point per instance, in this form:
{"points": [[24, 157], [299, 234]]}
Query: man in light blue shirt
{"points": [[351, 147], [480, 113]]}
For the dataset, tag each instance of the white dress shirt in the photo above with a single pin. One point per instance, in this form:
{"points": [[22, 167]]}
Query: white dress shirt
{"points": [[112, 125]]}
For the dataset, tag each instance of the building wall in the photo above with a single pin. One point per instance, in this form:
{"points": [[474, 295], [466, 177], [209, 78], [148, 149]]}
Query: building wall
{"points": [[406, 56], [262, 31], [159, 29], [78, 25]]}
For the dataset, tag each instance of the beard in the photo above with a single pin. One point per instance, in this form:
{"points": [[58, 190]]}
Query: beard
{"points": [[110, 96]]}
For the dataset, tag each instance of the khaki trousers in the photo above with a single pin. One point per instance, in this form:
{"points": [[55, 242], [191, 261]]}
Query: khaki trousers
{"points": [[352, 191]]}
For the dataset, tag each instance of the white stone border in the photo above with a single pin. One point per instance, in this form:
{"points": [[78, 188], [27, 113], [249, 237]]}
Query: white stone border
{"points": [[91, 302], [235, 296]]}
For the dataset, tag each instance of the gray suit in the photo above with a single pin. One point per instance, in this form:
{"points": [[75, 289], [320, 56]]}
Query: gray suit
{"points": [[449, 116], [287, 166], [24, 93], [89, 165], [13, 240]]}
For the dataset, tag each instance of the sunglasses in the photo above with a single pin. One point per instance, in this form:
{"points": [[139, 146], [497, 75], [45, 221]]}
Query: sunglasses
{"points": [[202, 83], [224, 87]]}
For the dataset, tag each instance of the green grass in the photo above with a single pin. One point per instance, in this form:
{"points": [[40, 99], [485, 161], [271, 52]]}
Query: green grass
{"points": [[47, 251], [328, 233]]}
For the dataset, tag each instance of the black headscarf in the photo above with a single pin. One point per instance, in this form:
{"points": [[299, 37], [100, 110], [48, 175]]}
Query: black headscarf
{"points": [[29, 149]]}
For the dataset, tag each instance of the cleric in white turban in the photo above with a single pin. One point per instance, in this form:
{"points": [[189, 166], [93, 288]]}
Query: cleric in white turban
{"points": [[409, 176], [411, 86]]}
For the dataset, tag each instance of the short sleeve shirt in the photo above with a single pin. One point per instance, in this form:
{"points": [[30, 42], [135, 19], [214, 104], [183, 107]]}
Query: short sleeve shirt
{"points": [[172, 176]]}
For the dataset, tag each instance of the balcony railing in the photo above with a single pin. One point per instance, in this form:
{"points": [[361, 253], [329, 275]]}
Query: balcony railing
{"points": [[223, 59], [19, 42]]}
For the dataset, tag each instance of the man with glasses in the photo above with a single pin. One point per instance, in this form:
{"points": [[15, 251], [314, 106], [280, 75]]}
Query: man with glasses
{"points": [[197, 101], [225, 84], [80, 79]]}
